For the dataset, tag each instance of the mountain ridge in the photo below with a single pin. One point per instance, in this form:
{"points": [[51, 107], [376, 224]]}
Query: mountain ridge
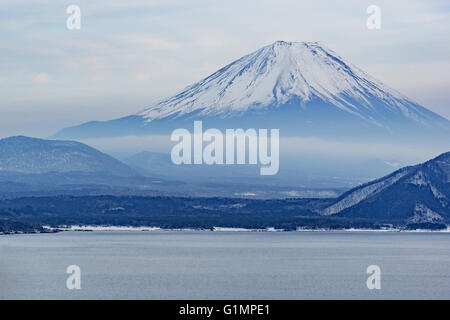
{"points": [[420, 193], [25, 155], [285, 84], [414, 197]]}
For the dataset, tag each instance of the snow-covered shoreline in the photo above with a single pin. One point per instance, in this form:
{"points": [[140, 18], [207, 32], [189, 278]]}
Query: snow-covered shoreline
{"points": [[226, 229], [145, 228]]}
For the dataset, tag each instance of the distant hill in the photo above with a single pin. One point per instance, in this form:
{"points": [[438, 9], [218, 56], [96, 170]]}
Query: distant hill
{"points": [[150, 162], [26, 155], [160, 165], [8, 226], [37, 167], [416, 194], [415, 197]]}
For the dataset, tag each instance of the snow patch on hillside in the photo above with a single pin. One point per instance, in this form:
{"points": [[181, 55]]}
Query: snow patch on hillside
{"points": [[363, 193], [423, 214]]}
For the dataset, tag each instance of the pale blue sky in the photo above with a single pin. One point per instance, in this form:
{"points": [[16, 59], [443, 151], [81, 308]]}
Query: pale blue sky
{"points": [[130, 53]]}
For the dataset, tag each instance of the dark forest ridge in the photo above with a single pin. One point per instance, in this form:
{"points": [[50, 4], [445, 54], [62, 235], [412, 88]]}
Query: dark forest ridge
{"points": [[412, 197]]}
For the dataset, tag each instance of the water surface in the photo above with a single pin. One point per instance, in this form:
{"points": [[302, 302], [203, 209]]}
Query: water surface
{"points": [[225, 265]]}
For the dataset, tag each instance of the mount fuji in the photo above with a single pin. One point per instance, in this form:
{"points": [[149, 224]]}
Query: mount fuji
{"points": [[302, 88]]}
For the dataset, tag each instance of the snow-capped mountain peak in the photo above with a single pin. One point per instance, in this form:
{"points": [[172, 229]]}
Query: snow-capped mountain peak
{"points": [[277, 74], [298, 87]]}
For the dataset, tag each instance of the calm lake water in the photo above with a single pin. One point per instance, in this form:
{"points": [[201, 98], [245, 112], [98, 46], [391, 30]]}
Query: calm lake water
{"points": [[225, 265]]}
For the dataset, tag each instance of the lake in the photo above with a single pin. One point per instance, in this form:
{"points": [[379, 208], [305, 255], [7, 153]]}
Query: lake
{"points": [[225, 265]]}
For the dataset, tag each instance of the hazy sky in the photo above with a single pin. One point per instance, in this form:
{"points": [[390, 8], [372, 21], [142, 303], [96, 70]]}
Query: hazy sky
{"points": [[128, 54]]}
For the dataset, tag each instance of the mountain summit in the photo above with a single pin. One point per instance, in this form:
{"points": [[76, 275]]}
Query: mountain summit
{"points": [[281, 73], [302, 87]]}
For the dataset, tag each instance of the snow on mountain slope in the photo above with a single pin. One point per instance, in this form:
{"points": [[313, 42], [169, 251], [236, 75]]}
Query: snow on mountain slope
{"points": [[280, 73], [421, 191], [365, 192], [424, 214], [302, 88]]}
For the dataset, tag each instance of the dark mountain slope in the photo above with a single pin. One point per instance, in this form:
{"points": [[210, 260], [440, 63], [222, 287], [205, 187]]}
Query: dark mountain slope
{"points": [[416, 194]]}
